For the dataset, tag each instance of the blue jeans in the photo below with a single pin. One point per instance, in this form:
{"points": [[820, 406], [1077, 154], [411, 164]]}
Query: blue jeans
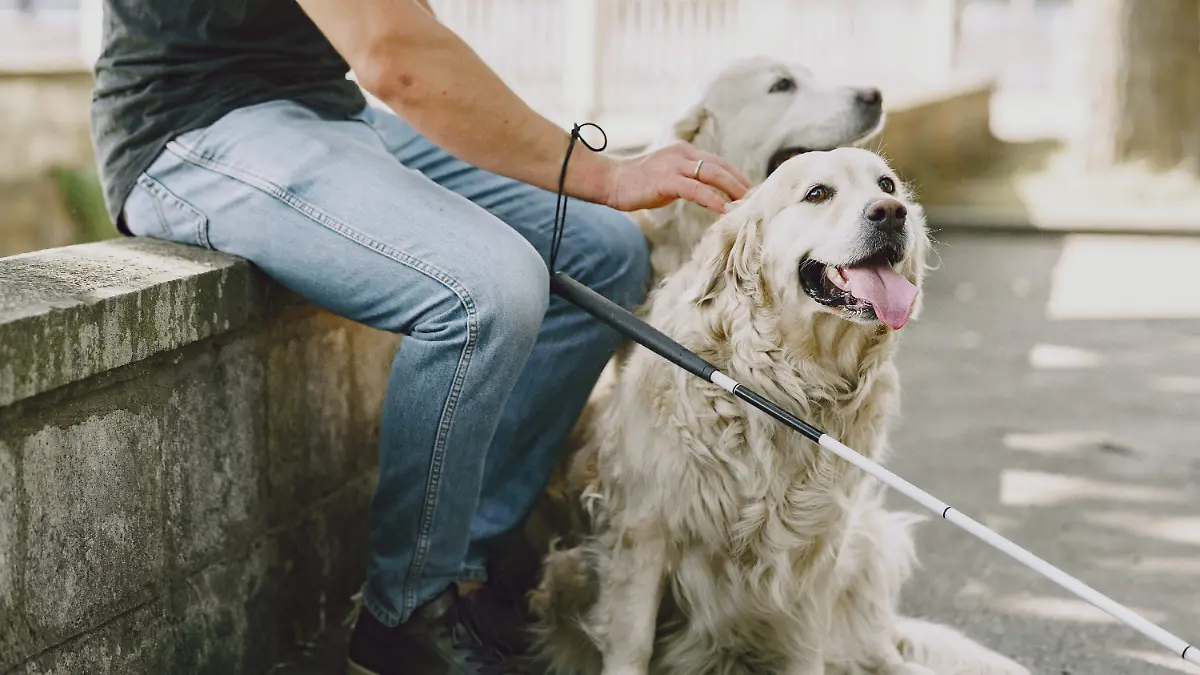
{"points": [[370, 220]]}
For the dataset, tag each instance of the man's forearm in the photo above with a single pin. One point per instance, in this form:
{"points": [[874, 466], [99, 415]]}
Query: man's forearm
{"points": [[405, 57], [431, 77], [425, 4], [453, 98]]}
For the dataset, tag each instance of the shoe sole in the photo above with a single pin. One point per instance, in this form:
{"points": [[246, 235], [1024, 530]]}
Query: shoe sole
{"points": [[353, 668]]}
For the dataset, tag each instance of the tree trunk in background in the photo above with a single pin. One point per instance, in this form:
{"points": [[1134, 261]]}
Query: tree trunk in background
{"points": [[1143, 82]]}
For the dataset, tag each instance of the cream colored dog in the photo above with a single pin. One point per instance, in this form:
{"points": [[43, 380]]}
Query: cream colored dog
{"points": [[756, 113], [717, 541]]}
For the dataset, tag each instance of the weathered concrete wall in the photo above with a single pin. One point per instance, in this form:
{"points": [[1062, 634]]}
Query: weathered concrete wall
{"points": [[967, 178], [186, 456], [943, 137], [44, 121], [44, 127]]}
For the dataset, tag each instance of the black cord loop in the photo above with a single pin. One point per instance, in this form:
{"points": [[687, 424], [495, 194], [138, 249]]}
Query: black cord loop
{"points": [[560, 201]]}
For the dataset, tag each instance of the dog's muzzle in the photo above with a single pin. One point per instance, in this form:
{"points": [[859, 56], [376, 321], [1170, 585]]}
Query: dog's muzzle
{"points": [[886, 221]]}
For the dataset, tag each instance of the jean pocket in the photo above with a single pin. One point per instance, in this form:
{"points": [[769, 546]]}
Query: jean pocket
{"points": [[154, 211]]}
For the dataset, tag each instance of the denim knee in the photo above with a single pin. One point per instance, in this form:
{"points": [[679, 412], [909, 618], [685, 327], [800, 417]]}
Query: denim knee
{"points": [[510, 302], [611, 254]]}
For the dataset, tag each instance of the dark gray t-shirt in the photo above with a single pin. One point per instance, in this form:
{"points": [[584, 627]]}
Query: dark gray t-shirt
{"points": [[171, 66]]}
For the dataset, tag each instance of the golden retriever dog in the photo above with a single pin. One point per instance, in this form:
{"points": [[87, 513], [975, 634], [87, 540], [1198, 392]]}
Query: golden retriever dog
{"points": [[756, 113], [714, 540]]}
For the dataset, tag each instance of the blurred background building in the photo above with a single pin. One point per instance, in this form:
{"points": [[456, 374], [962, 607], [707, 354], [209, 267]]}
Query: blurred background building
{"points": [[1073, 87]]}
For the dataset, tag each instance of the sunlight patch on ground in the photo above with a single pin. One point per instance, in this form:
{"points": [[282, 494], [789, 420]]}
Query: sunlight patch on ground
{"points": [[1189, 345], [1053, 442], [1063, 609], [1161, 659], [1021, 287], [974, 589], [1176, 384], [1049, 357], [1181, 530], [1154, 565], [968, 340], [1035, 488], [1125, 277], [1000, 524]]}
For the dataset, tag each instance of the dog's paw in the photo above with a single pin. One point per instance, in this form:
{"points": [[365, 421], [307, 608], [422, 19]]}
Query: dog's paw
{"points": [[908, 669], [624, 670], [1003, 669], [568, 585], [946, 651]]}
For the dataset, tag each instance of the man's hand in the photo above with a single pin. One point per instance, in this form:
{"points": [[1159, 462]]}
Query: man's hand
{"points": [[677, 171], [427, 74]]}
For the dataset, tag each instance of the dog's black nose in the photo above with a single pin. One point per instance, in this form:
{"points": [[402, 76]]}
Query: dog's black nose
{"points": [[871, 98], [887, 214]]}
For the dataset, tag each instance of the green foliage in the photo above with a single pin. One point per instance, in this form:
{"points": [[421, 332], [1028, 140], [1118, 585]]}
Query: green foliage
{"points": [[82, 195]]}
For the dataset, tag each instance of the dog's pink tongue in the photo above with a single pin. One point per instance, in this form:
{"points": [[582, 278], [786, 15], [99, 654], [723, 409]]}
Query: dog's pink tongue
{"points": [[891, 294]]}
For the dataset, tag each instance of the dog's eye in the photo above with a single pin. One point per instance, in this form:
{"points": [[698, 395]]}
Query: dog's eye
{"points": [[818, 194], [782, 84], [887, 185]]}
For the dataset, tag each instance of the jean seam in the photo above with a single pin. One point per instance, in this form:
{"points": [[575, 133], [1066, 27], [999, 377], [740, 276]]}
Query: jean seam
{"points": [[144, 181], [382, 613], [162, 193], [450, 408]]}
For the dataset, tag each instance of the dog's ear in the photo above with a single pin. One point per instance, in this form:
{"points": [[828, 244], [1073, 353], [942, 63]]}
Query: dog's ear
{"points": [[696, 125], [687, 127], [733, 262]]}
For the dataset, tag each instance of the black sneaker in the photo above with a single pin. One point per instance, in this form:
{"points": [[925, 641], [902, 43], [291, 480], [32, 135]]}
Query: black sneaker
{"points": [[496, 613], [500, 608], [442, 637]]}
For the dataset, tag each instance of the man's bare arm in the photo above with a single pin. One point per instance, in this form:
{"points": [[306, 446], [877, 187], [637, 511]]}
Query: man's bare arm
{"points": [[422, 70], [428, 8]]}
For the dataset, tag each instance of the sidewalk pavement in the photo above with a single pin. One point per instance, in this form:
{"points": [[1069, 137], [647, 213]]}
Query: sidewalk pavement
{"points": [[1052, 392]]}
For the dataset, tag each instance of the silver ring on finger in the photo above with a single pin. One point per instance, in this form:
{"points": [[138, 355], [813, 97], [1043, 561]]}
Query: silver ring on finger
{"points": [[696, 173]]}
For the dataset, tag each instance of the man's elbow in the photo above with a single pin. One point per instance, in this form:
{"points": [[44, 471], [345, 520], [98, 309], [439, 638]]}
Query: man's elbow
{"points": [[391, 73]]}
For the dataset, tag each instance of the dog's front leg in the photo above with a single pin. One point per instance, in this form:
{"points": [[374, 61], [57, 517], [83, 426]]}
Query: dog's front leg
{"points": [[806, 638], [807, 666], [629, 600], [811, 663]]}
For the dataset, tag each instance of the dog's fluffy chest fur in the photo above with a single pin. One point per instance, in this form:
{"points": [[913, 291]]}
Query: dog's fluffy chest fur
{"points": [[751, 509], [740, 481]]}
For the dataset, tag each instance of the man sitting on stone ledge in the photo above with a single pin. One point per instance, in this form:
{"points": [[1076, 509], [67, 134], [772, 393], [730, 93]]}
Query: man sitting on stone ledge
{"points": [[230, 124]]}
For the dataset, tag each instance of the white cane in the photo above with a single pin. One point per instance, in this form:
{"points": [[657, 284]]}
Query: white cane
{"points": [[654, 340]]}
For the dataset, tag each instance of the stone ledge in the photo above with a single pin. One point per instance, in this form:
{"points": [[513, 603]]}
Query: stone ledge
{"points": [[1045, 196], [941, 135], [967, 178], [186, 456], [69, 313]]}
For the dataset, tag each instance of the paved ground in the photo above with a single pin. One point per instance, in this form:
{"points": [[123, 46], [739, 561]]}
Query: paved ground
{"points": [[1076, 438]]}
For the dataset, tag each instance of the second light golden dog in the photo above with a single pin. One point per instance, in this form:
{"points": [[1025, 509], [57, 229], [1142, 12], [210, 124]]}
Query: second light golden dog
{"points": [[756, 113], [716, 541]]}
